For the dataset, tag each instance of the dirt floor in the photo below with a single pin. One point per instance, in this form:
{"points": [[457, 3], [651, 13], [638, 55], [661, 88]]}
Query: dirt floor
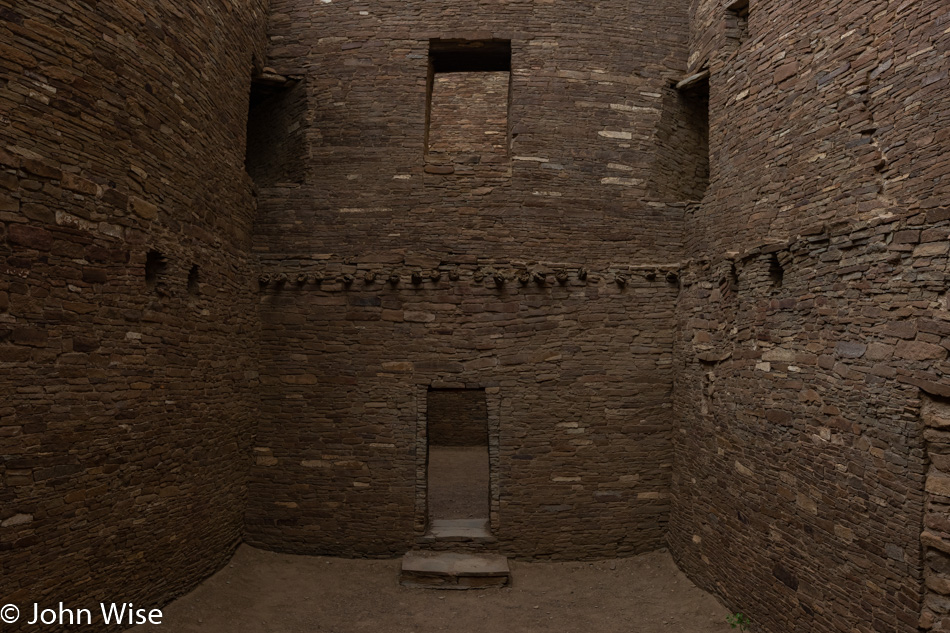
{"points": [[458, 482], [263, 592]]}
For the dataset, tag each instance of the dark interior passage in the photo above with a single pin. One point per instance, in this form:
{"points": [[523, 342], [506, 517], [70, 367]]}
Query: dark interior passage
{"points": [[458, 477]]}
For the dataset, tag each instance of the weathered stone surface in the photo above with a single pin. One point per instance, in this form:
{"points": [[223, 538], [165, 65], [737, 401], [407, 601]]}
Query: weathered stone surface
{"points": [[30, 237], [459, 531], [737, 370], [919, 350], [465, 244], [143, 208], [126, 409], [860, 228], [850, 350], [453, 571], [938, 484]]}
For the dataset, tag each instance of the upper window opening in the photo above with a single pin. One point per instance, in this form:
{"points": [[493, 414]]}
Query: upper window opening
{"points": [[276, 137], [467, 56], [694, 108], [469, 88]]}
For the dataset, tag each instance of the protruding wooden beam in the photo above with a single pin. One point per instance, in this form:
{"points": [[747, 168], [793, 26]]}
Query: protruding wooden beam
{"points": [[693, 80]]}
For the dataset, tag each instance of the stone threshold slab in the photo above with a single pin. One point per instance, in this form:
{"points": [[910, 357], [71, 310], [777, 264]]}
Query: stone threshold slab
{"points": [[450, 570], [461, 530]]}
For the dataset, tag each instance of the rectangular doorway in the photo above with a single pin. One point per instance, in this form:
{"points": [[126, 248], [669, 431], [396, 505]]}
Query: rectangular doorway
{"points": [[458, 477]]}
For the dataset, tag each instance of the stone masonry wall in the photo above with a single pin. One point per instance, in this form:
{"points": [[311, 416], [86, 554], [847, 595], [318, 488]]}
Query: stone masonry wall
{"points": [[468, 126], [812, 316], [457, 417], [798, 481], [581, 454], [550, 283], [758, 378], [586, 88], [822, 114], [127, 408], [935, 538]]}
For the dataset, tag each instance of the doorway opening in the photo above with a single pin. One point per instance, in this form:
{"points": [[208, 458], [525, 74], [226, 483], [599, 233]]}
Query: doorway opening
{"points": [[458, 477]]}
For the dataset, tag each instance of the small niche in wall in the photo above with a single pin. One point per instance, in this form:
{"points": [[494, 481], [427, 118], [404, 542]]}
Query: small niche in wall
{"points": [[155, 267], [276, 135], [776, 271], [467, 106], [737, 20], [194, 281], [708, 390], [729, 284]]}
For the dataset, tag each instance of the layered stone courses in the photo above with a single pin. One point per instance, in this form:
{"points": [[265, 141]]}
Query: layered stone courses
{"points": [[804, 454], [935, 538], [733, 346], [798, 490], [457, 417], [513, 264], [582, 442], [126, 411], [468, 126]]}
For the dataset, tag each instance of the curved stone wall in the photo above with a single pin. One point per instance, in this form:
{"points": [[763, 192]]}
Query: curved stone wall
{"points": [[819, 116], [814, 317], [190, 358], [128, 395]]}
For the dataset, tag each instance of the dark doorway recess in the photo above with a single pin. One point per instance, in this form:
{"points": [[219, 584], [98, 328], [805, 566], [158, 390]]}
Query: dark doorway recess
{"points": [[694, 98], [276, 131], [458, 472]]}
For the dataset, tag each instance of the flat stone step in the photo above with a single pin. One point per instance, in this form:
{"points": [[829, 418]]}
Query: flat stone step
{"points": [[459, 530], [450, 570]]}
